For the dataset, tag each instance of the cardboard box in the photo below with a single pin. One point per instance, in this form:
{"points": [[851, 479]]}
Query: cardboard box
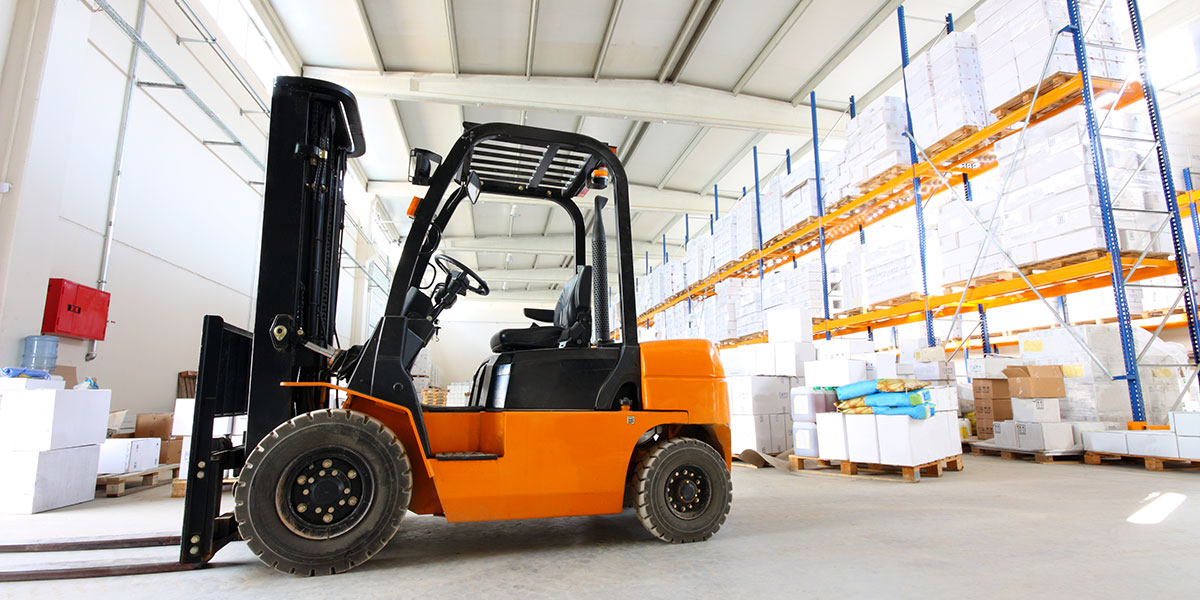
{"points": [[789, 325], [933, 371], [1112, 442], [13, 384], [983, 428], [1185, 423], [1078, 428], [1035, 381], [1152, 443], [807, 402], [1189, 447], [128, 455], [990, 366], [931, 354], [181, 422], [831, 436], [837, 371], [954, 434], [909, 442], [1044, 436], [944, 398], [994, 409], [781, 432], [750, 432], [862, 439], [758, 395], [154, 425], [1004, 434], [990, 388], [49, 419], [790, 357], [804, 439], [40, 480], [1036, 410], [171, 451]]}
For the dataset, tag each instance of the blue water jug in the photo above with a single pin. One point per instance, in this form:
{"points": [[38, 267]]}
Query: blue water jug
{"points": [[41, 352]]}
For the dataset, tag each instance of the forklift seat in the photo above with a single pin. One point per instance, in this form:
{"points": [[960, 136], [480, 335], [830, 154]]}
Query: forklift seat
{"points": [[571, 318]]}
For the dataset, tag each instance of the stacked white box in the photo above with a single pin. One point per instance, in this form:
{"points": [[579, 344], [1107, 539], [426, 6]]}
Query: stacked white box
{"points": [[894, 270], [128, 455], [875, 140], [1091, 394], [945, 89], [50, 444], [770, 204], [1015, 36], [760, 409], [837, 372], [831, 436], [797, 285], [1051, 207], [745, 226]]}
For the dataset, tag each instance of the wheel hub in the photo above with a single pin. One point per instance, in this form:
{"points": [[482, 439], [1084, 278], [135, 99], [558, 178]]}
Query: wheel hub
{"points": [[687, 491], [325, 494]]}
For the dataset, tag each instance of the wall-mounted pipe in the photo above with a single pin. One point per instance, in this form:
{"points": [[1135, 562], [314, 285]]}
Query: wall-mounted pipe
{"points": [[114, 184]]}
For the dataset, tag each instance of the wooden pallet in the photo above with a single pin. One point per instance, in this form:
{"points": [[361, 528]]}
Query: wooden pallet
{"points": [[897, 301], [1152, 463], [889, 174], [1023, 99], [790, 231], [116, 486], [853, 312], [955, 137], [876, 471], [179, 486], [1049, 265], [1038, 456]]}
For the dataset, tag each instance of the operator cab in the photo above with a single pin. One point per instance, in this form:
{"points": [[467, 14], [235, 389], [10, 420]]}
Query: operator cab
{"points": [[566, 359]]}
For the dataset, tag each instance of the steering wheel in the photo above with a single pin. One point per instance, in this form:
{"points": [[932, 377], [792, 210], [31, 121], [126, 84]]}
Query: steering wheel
{"points": [[445, 262]]}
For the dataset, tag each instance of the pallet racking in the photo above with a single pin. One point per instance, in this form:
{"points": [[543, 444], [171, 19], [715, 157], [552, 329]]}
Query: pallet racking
{"points": [[1116, 267]]}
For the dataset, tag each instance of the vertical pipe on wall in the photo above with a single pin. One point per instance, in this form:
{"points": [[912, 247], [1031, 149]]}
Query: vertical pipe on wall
{"points": [[114, 185]]}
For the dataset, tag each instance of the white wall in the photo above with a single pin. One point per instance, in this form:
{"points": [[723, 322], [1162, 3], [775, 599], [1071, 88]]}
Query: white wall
{"points": [[187, 223], [8, 12], [464, 341]]}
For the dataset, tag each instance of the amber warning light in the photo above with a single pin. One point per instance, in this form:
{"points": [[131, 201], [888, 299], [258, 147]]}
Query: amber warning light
{"points": [[412, 207]]}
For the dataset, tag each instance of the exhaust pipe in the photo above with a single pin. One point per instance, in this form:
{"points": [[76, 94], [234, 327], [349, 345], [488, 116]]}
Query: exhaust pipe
{"points": [[600, 273]]}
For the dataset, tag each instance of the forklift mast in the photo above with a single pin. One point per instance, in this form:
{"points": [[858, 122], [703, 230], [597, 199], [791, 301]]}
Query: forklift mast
{"points": [[315, 128]]}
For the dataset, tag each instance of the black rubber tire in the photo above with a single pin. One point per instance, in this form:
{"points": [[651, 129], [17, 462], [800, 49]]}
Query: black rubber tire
{"points": [[653, 473], [257, 514]]}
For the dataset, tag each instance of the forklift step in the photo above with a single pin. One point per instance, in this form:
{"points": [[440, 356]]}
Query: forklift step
{"points": [[465, 456]]}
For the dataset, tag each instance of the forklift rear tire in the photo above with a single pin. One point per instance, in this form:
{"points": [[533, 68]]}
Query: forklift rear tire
{"points": [[323, 492], [683, 490]]}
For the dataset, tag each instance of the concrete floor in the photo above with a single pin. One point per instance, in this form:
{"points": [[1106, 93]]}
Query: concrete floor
{"points": [[1001, 529]]}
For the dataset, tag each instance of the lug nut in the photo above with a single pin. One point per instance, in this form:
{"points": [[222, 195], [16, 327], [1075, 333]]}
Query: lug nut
{"points": [[327, 518], [302, 507], [327, 463], [301, 479], [352, 474], [353, 500]]}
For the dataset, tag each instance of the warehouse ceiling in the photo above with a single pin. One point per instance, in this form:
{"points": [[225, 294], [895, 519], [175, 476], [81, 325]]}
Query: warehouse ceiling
{"points": [[684, 88]]}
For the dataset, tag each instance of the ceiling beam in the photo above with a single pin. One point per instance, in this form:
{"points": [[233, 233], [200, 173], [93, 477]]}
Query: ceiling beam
{"points": [[681, 38], [270, 19], [766, 50], [833, 61], [562, 244], [694, 41], [608, 33], [687, 151], [533, 21], [642, 198], [614, 98], [369, 32], [453, 37], [552, 275]]}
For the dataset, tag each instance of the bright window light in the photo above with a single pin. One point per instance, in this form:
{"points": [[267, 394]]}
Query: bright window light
{"points": [[1158, 509], [1172, 55]]}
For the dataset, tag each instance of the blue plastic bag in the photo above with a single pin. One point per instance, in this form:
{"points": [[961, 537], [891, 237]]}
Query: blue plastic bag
{"points": [[920, 411], [857, 390]]}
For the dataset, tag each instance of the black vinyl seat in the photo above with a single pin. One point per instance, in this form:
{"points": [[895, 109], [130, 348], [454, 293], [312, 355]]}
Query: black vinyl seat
{"points": [[571, 320]]}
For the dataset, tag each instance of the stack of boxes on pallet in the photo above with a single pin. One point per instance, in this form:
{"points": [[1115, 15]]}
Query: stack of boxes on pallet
{"points": [[945, 90], [761, 379], [1090, 393], [49, 443], [1015, 37], [1180, 441], [875, 141]]}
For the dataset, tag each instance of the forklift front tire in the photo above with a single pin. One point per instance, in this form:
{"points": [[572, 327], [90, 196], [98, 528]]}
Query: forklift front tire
{"points": [[323, 492], [683, 490]]}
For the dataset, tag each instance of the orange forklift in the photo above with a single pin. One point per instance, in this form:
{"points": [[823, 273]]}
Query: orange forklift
{"points": [[562, 419]]}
